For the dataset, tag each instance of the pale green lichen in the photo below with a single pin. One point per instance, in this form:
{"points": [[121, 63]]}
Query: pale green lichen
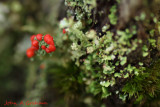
{"points": [[91, 34], [103, 56], [113, 18]]}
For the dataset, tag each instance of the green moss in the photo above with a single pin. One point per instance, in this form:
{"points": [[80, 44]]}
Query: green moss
{"points": [[144, 85]]}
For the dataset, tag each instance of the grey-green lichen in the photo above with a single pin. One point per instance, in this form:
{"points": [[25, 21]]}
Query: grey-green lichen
{"points": [[104, 59]]}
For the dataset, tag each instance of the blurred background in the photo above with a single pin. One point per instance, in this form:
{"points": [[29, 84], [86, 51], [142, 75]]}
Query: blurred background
{"points": [[52, 79], [22, 79]]}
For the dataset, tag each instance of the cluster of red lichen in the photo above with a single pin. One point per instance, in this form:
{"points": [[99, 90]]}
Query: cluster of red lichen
{"points": [[40, 42]]}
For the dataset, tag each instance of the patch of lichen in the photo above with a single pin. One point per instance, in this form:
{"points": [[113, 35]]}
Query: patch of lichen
{"points": [[111, 58]]}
